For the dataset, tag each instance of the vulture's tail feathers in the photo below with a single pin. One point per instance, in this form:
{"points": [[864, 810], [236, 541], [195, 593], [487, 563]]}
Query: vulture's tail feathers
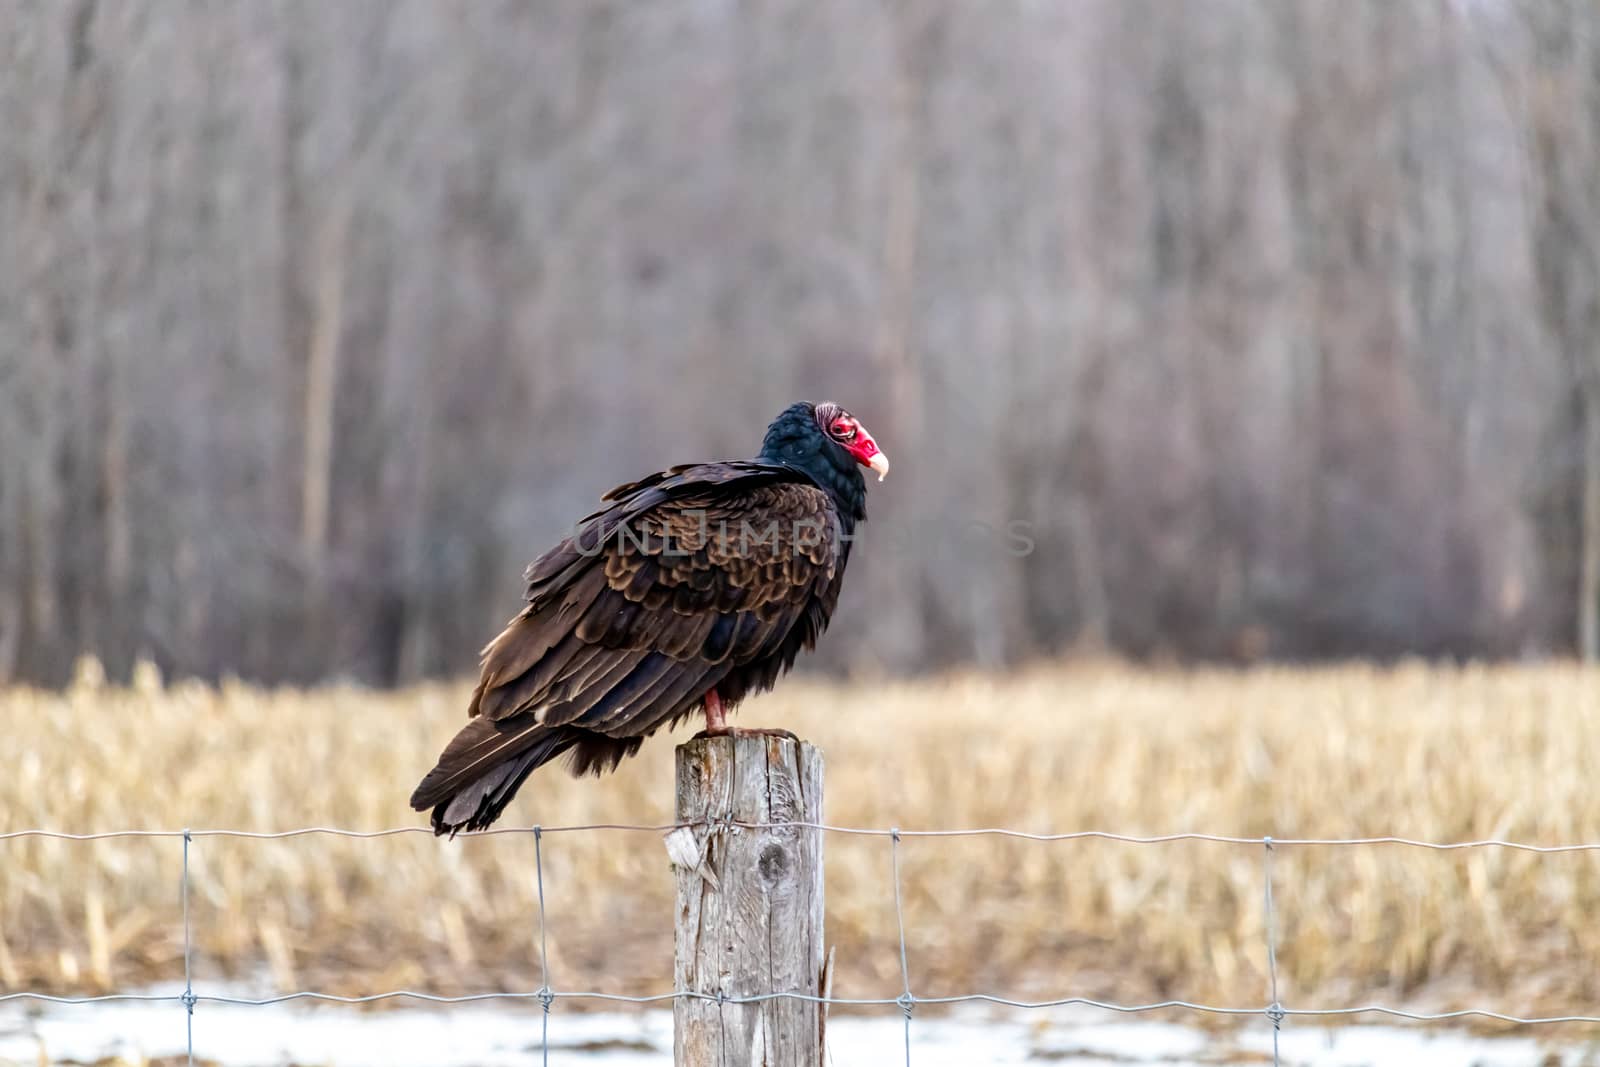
{"points": [[483, 767]]}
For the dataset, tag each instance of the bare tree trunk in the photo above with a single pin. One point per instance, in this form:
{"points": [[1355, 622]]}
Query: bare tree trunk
{"points": [[904, 219], [322, 380], [1562, 109], [114, 460], [1089, 585], [1589, 533], [11, 517]]}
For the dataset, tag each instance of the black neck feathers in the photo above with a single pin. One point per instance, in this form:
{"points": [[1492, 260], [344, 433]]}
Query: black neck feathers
{"points": [[795, 440]]}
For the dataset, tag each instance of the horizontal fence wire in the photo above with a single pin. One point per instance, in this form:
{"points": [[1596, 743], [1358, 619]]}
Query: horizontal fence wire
{"points": [[547, 997], [760, 998], [860, 831]]}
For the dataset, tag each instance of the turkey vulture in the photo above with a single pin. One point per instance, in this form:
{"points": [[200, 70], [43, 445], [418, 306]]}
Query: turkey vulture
{"points": [[690, 589]]}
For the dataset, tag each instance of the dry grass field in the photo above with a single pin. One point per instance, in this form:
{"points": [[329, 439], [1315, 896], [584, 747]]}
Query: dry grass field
{"points": [[1426, 752]]}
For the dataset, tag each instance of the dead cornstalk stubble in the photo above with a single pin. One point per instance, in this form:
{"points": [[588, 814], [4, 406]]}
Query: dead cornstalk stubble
{"points": [[1440, 754]]}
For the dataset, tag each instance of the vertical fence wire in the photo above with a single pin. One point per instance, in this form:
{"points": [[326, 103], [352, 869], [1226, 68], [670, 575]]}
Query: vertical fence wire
{"points": [[546, 997], [1275, 1009], [188, 983], [906, 1001]]}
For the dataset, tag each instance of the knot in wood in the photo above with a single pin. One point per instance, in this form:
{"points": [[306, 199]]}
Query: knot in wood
{"points": [[774, 863]]}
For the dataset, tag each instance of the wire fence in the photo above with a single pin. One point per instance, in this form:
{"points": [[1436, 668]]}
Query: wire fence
{"points": [[1274, 1012]]}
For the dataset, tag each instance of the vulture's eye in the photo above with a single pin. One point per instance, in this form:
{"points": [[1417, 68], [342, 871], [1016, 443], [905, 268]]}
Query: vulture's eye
{"points": [[844, 430]]}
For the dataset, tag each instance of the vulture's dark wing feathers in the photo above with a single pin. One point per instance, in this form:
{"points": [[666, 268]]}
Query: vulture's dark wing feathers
{"points": [[712, 575]]}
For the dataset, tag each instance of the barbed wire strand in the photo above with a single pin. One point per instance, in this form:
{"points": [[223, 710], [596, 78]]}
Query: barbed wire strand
{"points": [[188, 985], [546, 998], [1275, 1009], [906, 1001], [984, 831]]}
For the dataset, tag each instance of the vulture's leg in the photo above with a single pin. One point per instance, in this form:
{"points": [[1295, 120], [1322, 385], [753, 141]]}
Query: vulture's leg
{"points": [[717, 723]]}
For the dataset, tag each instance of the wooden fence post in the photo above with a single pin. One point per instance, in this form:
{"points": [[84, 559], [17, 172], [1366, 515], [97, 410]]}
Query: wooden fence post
{"points": [[749, 915]]}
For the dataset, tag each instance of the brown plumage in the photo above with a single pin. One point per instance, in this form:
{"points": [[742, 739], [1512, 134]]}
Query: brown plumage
{"points": [[702, 580]]}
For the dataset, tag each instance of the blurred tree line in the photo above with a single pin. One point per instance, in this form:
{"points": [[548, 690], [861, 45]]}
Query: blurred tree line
{"points": [[1278, 323]]}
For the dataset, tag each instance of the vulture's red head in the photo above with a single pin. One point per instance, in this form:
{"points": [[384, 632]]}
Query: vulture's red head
{"points": [[829, 444], [845, 430]]}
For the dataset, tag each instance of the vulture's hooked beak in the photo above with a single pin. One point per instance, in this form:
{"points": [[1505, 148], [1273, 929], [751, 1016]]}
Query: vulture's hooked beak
{"points": [[880, 463]]}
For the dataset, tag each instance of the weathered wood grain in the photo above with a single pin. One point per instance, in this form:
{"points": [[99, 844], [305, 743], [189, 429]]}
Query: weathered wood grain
{"points": [[750, 913]]}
